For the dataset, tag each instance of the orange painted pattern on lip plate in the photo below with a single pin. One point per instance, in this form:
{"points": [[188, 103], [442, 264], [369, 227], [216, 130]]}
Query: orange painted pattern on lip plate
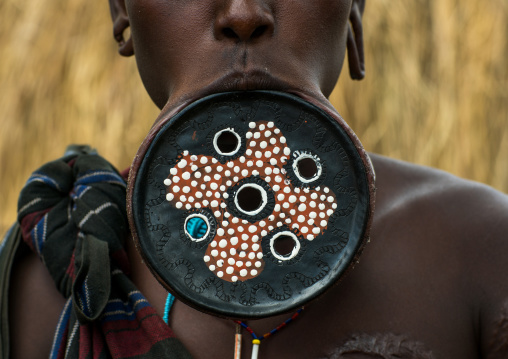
{"points": [[199, 181]]}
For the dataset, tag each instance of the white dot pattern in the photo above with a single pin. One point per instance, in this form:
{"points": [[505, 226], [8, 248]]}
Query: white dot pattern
{"points": [[235, 254]]}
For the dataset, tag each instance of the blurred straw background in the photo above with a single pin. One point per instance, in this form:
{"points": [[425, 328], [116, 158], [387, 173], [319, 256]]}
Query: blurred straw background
{"points": [[436, 91]]}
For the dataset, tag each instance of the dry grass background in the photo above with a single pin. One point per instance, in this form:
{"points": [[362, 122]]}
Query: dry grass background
{"points": [[436, 90]]}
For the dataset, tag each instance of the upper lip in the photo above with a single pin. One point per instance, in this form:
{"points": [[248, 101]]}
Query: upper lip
{"points": [[245, 81], [237, 81]]}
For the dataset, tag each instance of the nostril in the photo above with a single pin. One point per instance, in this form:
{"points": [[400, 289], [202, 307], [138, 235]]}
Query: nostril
{"points": [[258, 32], [229, 33], [244, 21]]}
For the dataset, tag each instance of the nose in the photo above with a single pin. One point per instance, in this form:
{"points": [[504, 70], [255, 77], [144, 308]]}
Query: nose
{"points": [[244, 21]]}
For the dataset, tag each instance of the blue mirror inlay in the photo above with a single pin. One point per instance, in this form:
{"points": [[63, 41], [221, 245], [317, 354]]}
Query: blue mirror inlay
{"points": [[196, 227]]}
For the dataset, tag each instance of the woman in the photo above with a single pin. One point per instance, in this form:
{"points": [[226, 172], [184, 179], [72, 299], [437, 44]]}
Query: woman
{"points": [[428, 284]]}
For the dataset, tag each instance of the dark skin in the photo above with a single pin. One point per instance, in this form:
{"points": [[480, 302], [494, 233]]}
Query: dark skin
{"points": [[434, 271]]}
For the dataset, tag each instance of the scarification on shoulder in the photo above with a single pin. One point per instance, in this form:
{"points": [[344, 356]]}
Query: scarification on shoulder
{"points": [[382, 346], [499, 341]]}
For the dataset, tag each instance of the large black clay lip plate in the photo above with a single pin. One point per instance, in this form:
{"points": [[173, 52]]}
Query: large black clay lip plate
{"points": [[250, 204]]}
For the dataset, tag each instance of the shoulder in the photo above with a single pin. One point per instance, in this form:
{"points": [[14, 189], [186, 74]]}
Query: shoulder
{"points": [[34, 307], [437, 195], [466, 218], [459, 229]]}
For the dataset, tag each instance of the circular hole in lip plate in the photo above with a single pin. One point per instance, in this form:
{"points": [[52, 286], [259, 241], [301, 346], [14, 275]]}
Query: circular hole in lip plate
{"points": [[227, 142], [251, 198], [307, 167], [281, 243]]}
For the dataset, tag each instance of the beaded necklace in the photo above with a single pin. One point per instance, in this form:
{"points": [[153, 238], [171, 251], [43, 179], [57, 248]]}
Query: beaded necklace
{"points": [[256, 340]]}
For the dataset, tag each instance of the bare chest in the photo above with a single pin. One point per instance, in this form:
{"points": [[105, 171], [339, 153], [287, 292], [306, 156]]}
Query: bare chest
{"points": [[390, 319], [404, 300]]}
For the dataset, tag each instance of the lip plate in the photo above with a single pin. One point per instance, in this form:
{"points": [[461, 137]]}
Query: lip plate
{"points": [[226, 308]]}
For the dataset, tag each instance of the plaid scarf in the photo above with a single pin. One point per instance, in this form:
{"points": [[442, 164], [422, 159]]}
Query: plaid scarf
{"points": [[72, 214]]}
